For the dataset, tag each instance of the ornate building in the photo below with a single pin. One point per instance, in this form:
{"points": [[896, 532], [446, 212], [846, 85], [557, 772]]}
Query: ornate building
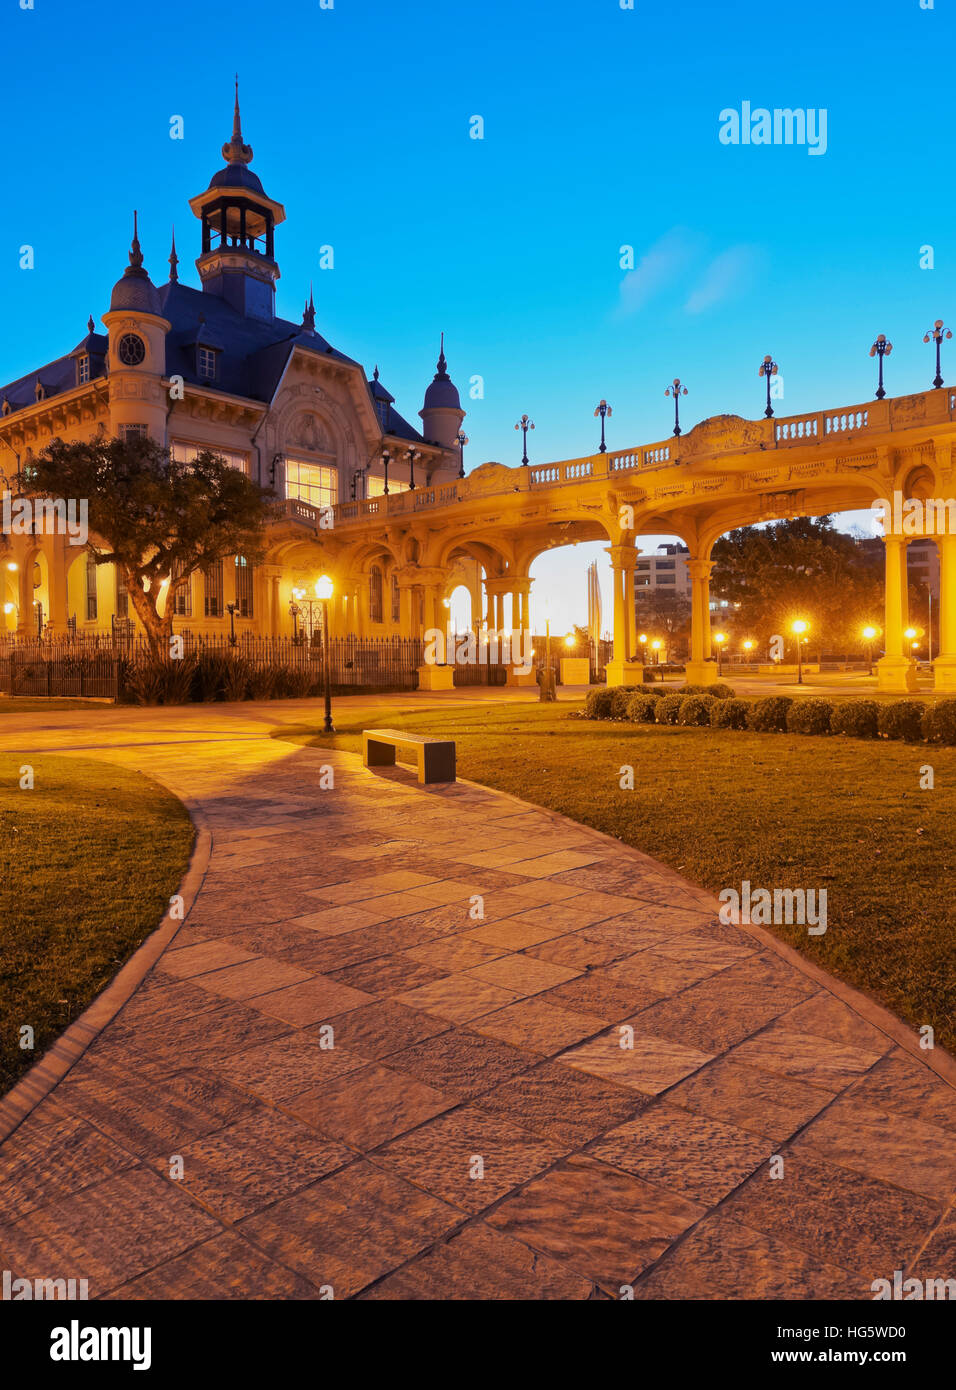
{"points": [[214, 367]]}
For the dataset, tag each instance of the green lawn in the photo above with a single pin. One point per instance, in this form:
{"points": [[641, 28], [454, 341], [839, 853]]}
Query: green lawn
{"points": [[780, 810], [90, 858], [27, 704]]}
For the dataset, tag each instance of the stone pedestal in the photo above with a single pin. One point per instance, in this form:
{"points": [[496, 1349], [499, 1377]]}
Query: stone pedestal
{"points": [[896, 675], [625, 673], [944, 673], [700, 672], [436, 677], [575, 670], [515, 676]]}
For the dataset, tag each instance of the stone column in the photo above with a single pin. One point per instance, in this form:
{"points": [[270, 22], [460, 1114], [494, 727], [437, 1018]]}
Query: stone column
{"points": [[944, 667], [622, 670], [26, 622], [896, 672], [57, 562], [701, 669]]}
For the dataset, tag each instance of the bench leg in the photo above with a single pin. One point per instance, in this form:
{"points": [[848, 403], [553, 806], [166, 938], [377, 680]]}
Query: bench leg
{"points": [[437, 764], [379, 754]]}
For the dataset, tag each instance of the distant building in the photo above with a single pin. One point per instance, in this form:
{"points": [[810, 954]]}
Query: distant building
{"points": [[664, 573], [922, 561]]}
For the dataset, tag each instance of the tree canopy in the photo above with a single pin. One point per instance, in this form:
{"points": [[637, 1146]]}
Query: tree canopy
{"points": [[154, 517], [802, 568]]}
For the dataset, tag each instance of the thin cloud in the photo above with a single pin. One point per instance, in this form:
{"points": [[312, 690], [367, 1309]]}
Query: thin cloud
{"points": [[730, 272], [659, 267]]}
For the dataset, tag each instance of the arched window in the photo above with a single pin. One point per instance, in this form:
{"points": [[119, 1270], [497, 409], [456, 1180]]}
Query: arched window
{"points": [[375, 594], [396, 600]]}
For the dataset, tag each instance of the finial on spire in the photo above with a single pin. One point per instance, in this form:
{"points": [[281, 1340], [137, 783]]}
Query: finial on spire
{"points": [[375, 373], [173, 262], [90, 324], [442, 364], [235, 151], [135, 251], [308, 317]]}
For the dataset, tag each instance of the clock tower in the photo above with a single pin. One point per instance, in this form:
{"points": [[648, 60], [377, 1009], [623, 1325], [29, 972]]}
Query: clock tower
{"points": [[137, 351]]}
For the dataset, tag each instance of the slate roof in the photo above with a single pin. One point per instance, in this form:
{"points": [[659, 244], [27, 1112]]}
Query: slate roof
{"points": [[253, 354]]}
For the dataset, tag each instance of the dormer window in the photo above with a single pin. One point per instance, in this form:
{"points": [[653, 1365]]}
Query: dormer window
{"points": [[382, 407], [207, 363], [83, 370], [39, 393]]}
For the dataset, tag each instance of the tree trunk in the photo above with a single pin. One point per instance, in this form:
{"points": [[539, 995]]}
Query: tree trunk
{"points": [[158, 629]]}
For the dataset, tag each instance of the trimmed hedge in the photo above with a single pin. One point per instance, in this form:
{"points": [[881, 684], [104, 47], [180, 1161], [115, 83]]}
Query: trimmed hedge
{"points": [[729, 714], [904, 720], [641, 708], [695, 709], [939, 722], [809, 717], [858, 718], [720, 691], [769, 715], [668, 709], [209, 678]]}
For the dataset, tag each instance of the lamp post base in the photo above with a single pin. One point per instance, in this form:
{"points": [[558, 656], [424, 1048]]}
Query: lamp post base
{"points": [[896, 675], [436, 677]]}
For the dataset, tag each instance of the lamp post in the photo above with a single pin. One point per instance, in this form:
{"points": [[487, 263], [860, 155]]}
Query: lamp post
{"points": [[656, 649], [386, 460], [881, 348], [412, 455], [719, 639], [323, 592], [768, 368], [295, 610], [937, 333], [462, 440], [869, 632], [231, 610], [748, 647], [604, 410], [676, 390], [798, 629], [525, 424]]}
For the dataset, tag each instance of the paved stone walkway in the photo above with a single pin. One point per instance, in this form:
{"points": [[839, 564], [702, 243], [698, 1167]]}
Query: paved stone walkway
{"points": [[480, 1128]]}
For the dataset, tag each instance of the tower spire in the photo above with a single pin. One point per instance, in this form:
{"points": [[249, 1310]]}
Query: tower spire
{"points": [[173, 262], [135, 250], [442, 372], [308, 317], [235, 151]]}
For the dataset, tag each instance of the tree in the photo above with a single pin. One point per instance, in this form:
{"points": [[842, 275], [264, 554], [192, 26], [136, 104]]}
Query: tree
{"points": [[156, 518], [803, 568], [664, 613]]}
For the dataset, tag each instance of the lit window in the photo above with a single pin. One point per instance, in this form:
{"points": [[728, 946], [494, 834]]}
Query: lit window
{"points": [[212, 577], [185, 453], [315, 483], [83, 370], [183, 598], [375, 487], [243, 587], [91, 610], [207, 363]]}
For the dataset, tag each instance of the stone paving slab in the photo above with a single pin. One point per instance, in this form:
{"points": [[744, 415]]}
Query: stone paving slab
{"points": [[341, 1076]]}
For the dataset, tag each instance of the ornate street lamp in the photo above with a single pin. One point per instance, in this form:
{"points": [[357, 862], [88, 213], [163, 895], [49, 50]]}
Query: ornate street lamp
{"points": [[937, 333], [798, 629], [462, 440], [768, 368], [412, 455], [676, 390], [324, 589], [525, 424], [295, 610], [881, 348], [231, 610], [869, 632], [604, 410], [386, 460], [719, 639], [656, 649]]}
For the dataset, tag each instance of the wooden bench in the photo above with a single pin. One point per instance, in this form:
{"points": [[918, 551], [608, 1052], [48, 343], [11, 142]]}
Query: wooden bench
{"points": [[434, 757]]}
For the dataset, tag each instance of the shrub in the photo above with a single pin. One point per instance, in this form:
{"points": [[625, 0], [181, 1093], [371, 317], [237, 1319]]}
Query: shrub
{"points": [[158, 682], [858, 718], [693, 690], [212, 672], [640, 708], [657, 690], [902, 719], [720, 691], [262, 682], [598, 703], [619, 701], [729, 714], [668, 709], [696, 710], [769, 715], [939, 722], [236, 682], [809, 716]]}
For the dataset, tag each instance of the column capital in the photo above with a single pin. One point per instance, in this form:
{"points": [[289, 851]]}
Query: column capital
{"points": [[700, 569], [623, 557]]}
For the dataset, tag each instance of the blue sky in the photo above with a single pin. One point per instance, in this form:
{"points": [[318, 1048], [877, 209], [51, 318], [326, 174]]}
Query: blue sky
{"points": [[601, 130]]}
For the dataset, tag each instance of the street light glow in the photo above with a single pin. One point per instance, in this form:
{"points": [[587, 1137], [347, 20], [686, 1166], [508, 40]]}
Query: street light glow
{"points": [[869, 633], [324, 587], [800, 626]]}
